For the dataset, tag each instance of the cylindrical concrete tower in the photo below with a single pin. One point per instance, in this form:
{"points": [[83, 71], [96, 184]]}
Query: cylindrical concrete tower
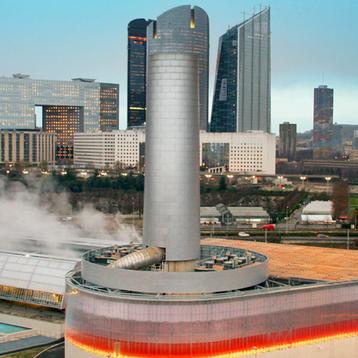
{"points": [[172, 197]]}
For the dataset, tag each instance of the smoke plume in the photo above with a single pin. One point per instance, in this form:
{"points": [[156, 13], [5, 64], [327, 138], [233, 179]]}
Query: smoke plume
{"points": [[37, 220]]}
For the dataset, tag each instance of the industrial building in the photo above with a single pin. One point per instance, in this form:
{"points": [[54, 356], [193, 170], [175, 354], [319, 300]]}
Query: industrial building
{"points": [[27, 146], [234, 215], [242, 95], [170, 296], [247, 153]]}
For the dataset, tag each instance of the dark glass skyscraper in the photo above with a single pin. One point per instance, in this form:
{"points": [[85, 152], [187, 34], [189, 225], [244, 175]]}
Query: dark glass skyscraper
{"points": [[137, 60], [108, 107], [322, 122], [242, 97], [288, 137]]}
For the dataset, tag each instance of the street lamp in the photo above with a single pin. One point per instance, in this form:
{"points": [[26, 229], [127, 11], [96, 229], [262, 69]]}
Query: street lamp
{"points": [[303, 178], [328, 179]]}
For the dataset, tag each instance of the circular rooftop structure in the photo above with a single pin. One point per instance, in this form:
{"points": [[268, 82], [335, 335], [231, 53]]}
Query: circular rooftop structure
{"points": [[219, 269], [144, 310]]}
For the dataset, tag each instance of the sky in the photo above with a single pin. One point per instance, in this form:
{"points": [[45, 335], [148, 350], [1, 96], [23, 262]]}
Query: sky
{"points": [[313, 42]]}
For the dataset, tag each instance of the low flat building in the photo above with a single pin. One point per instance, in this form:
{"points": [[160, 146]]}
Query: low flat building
{"points": [[94, 150], [317, 212], [254, 215], [251, 153], [209, 215], [239, 215], [27, 146]]}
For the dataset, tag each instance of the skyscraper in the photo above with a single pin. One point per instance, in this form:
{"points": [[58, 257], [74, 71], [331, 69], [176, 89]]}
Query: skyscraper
{"points": [[64, 121], [242, 97], [322, 122], [185, 29], [288, 136], [108, 106], [137, 62]]}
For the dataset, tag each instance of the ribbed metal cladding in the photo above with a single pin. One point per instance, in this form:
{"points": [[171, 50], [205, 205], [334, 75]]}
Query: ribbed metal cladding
{"points": [[172, 197]]}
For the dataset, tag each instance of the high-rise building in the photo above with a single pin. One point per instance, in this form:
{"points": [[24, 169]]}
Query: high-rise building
{"points": [[137, 62], [322, 122], [185, 29], [288, 137], [108, 106], [64, 121], [242, 97]]}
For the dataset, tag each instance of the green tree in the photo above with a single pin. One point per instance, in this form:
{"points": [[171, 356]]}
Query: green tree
{"points": [[222, 183]]}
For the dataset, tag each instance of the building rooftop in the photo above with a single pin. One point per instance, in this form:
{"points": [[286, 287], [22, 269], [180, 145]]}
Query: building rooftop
{"points": [[208, 211], [318, 207], [248, 211], [315, 263], [35, 279]]}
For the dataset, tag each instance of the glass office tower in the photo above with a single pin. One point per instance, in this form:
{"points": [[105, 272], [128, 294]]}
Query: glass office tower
{"points": [[20, 95], [108, 106], [137, 62], [64, 121], [288, 138], [185, 29], [322, 122], [242, 97]]}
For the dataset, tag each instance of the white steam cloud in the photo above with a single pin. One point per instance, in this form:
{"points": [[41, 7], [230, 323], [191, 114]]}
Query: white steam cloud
{"points": [[31, 220]]}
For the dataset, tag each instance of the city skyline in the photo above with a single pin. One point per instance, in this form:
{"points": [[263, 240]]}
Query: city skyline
{"points": [[87, 40]]}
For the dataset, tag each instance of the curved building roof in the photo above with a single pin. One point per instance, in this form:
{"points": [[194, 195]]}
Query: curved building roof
{"points": [[33, 278]]}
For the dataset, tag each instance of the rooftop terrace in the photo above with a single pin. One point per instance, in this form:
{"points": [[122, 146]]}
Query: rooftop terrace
{"points": [[315, 263]]}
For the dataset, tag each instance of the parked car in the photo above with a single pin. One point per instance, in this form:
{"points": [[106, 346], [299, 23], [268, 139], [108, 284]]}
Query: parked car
{"points": [[243, 234], [268, 227], [322, 236]]}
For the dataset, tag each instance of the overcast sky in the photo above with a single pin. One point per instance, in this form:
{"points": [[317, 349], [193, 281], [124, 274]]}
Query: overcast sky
{"points": [[62, 39]]}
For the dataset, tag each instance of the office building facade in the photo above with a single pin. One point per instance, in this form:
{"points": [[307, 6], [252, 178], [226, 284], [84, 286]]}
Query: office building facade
{"points": [[185, 29], [27, 146], [242, 94], [67, 106], [246, 153], [137, 72], [288, 138], [64, 121], [322, 122], [108, 106]]}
